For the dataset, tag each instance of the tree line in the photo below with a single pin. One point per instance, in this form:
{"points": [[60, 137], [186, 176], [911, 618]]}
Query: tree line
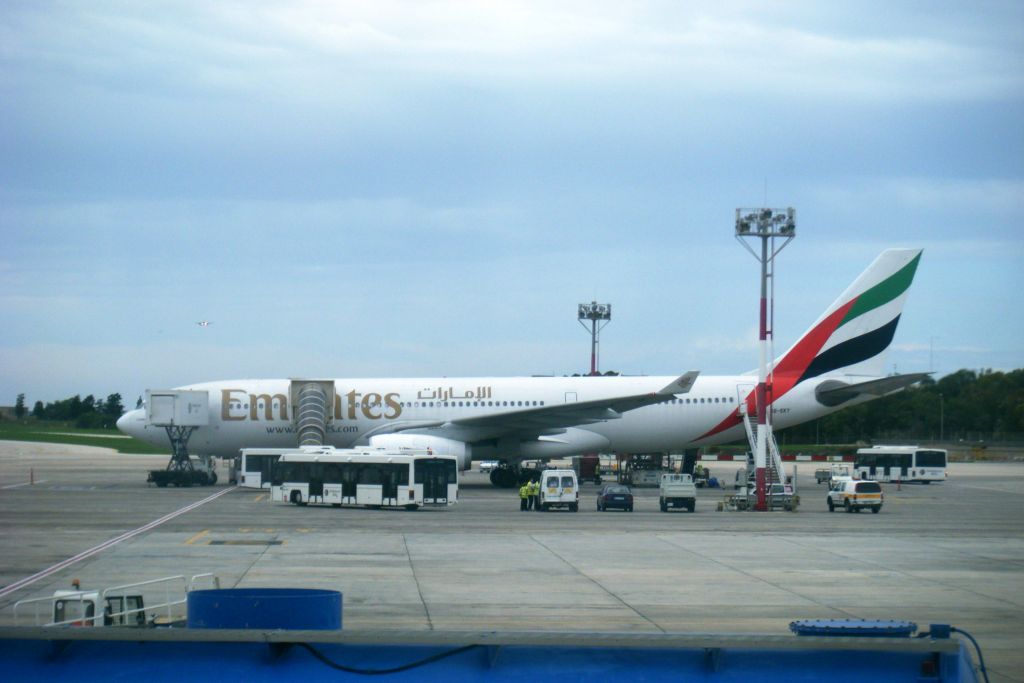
{"points": [[966, 405], [86, 413]]}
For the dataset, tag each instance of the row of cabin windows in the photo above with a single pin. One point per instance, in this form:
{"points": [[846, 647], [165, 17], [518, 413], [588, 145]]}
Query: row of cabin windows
{"points": [[499, 404], [484, 404], [426, 404], [702, 400]]}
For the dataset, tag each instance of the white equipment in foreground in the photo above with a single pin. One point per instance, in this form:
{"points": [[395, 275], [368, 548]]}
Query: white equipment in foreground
{"points": [[374, 477], [158, 602], [901, 463]]}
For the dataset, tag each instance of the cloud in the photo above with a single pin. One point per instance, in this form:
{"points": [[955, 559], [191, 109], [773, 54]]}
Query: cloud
{"points": [[978, 196], [312, 50], [461, 174]]}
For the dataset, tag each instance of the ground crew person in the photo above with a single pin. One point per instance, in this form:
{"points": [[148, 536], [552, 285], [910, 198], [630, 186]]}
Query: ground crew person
{"points": [[534, 492], [524, 496]]}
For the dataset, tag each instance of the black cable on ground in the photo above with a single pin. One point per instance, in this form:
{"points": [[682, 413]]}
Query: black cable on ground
{"points": [[977, 648], [954, 629], [380, 672], [465, 648]]}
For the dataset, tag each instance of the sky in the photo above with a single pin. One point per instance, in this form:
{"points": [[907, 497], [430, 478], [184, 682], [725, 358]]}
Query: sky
{"points": [[430, 188]]}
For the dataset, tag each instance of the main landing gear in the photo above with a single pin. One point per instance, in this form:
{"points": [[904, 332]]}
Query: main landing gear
{"points": [[506, 476]]}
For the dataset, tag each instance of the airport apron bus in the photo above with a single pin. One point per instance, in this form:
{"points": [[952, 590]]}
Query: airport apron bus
{"points": [[901, 463], [256, 465], [371, 477]]}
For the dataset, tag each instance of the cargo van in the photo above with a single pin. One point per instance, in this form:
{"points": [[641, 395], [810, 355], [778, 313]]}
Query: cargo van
{"points": [[558, 488], [677, 491]]}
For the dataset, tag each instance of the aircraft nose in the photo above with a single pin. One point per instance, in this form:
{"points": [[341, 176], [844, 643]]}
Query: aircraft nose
{"points": [[126, 421]]}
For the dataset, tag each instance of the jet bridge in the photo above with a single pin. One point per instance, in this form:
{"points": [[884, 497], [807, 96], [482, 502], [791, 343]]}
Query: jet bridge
{"points": [[180, 412]]}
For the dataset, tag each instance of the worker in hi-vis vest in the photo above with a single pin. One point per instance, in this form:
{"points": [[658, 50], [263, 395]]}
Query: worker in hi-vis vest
{"points": [[534, 492], [524, 496]]}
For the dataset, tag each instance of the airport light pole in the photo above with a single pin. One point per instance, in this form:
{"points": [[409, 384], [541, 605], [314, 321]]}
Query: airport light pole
{"points": [[595, 313], [767, 225], [942, 420]]}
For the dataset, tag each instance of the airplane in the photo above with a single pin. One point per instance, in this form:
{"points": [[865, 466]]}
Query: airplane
{"points": [[838, 362]]}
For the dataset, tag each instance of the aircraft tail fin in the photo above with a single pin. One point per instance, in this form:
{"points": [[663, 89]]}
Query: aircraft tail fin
{"points": [[853, 334]]}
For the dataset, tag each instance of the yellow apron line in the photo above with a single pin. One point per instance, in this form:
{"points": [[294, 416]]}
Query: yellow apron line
{"points": [[197, 537], [260, 497]]}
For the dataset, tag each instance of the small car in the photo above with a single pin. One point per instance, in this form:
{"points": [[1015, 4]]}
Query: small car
{"points": [[615, 496], [777, 496], [854, 495]]}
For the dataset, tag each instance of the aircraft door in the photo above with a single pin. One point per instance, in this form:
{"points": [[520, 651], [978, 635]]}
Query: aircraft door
{"points": [[744, 390]]}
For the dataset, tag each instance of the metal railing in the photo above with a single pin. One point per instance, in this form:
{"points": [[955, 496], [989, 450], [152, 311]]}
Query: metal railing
{"points": [[178, 584]]}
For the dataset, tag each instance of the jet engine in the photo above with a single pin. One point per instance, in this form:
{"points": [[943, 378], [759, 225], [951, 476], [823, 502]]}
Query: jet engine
{"points": [[438, 445]]}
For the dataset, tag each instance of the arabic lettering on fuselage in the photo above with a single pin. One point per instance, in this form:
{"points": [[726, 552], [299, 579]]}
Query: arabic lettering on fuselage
{"points": [[239, 404], [450, 394]]}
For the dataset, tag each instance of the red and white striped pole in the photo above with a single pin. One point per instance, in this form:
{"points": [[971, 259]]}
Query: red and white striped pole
{"points": [[766, 224], [761, 454]]}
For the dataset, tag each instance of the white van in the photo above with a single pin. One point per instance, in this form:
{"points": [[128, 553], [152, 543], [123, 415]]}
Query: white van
{"points": [[855, 495], [558, 488]]}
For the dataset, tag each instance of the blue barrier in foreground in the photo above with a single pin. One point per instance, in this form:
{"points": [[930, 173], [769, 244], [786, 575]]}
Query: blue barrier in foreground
{"points": [[265, 608], [154, 655]]}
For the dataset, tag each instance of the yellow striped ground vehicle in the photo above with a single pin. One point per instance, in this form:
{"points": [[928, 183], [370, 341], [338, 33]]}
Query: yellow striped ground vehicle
{"points": [[853, 495]]}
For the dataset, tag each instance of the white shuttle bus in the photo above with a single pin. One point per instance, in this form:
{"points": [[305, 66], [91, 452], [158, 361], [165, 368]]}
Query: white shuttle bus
{"points": [[256, 466], [901, 463], [372, 477]]}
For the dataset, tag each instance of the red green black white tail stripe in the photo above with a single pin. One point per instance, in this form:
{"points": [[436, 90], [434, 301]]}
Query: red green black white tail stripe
{"points": [[853, 333]]}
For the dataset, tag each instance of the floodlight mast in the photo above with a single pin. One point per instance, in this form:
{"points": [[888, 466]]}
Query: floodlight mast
{"points": [[594, 312], [766, 225]]}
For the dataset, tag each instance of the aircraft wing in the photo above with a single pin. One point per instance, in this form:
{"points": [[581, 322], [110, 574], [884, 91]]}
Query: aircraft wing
{"points": [[835, 392], [553, 419]]}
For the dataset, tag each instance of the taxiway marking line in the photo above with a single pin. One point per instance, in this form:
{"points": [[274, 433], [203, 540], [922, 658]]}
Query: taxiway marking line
{"points": [[28, 580], [24, 483]]}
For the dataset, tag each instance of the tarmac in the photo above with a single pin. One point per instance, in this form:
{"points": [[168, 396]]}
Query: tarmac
{"points": [[950, 553]]}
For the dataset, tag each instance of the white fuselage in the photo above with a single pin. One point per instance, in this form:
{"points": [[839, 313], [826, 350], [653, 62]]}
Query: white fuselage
{"points": [[836, 363], [258, 413]]}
